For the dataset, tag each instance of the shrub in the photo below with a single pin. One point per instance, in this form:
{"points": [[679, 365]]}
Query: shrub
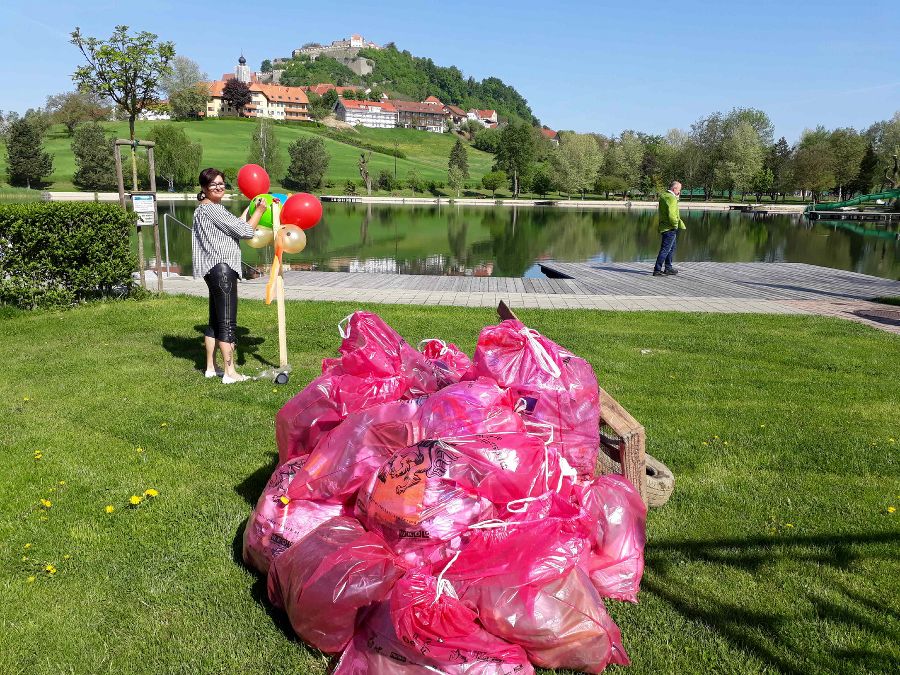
{"points": [[57, 254], [350, 188]]}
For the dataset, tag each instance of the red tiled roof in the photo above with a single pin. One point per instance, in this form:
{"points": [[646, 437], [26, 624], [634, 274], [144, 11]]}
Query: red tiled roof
{"points": [[324, 87], [273, 92], [483, 114], [433, 99], [549, 133], [351, 104], [459, 112], [415, 107]]}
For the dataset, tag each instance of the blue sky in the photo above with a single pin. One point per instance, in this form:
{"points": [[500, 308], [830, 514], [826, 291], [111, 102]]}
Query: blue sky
{"points": [[588, 66]]}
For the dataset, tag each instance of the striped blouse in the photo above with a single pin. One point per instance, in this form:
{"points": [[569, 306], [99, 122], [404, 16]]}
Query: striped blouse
{"points": [[215, 238]]}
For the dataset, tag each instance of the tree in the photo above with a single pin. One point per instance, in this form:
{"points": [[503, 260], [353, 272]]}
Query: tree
{"points": [[364, 171], [329, 98], [94, 158], [541, 181], [74, 107], [848, 148], [778, 160], [867, 176], [629, 157], [177, 159], [455, 179], [309, 162], [813, 162], [708, 133], [26, 161], [487, 140], [386, 180], [762, 182], [414, 181], [577, 161], [189, 102], [184, 73], [126, 68], [265, 66], [40, 119], [236, 94], [375, 94], [609, 183], [493, 181], [741, 158], [264, 148], [459, 158], [515, 152]]}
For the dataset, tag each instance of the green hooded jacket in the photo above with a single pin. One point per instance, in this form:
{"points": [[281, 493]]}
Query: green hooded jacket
{"points": [[669, 218]]}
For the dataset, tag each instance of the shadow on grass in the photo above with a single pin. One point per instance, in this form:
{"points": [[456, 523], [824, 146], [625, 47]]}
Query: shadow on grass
{"points": [[768, 635], [252, 486], [192, 348]]}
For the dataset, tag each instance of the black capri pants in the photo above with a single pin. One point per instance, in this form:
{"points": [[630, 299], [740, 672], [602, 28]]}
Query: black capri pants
{"points": [[222, 283]]}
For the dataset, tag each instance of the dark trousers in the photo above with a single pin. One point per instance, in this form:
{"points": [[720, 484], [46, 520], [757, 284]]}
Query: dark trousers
{"points": [[666, 250], [222, 283]]}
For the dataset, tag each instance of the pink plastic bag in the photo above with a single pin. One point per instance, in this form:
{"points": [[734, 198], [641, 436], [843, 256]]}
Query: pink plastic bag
{"points": [[449, 361], [324, 580], [421, 630], [473, 407], [323, 404], [371, 347], [277, 521], [617, 517], [412, 503], [560, 623], [347, 456], [557, 387]]}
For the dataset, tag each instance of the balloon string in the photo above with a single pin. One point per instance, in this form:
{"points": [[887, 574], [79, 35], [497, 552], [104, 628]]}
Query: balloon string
{"points": [[442, 584]]}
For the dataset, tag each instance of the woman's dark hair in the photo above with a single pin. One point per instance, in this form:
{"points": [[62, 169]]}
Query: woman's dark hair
{"points": [[207, 176]]}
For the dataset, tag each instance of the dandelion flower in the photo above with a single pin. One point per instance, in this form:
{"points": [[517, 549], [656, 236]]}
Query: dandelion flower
{"points": [[788, 525], [164, 424], [762, 426], [284, 499], [139, 450], [151, 493], [62, 482], [46, 503], [31, 580], [716, 437], [891, 509], [38, 456], [705, 443], [50, 569], [25, 398], [24, 558], [109, 508], [27, 546], [66, 556], [135, 500], [274, 391]]}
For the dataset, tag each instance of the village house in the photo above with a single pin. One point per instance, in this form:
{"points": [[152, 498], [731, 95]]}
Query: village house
{"points": [[374, 114], [325, 87], [267, 100], [552, 135], [423, 116], [486, 118]]}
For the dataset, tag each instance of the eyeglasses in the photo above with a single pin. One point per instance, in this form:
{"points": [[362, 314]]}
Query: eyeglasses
{"points": [[217, 186]]}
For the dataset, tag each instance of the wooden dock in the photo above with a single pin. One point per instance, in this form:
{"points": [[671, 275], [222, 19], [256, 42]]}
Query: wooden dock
{"points": [[752, 281], [868, 216]]}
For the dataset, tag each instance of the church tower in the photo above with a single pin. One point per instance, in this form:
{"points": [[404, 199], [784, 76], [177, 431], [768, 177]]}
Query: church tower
{"points": [[242, 72]]}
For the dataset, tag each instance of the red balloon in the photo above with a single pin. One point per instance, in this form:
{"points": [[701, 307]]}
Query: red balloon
{"points": [[302, 209], [253, 180]]}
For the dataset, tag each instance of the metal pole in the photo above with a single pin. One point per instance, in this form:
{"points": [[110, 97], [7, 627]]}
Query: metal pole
{"points": [[166, 235], [159, 278]]}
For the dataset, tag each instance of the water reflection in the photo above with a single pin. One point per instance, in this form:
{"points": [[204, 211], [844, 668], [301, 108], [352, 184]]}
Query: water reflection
{"points": [[493, 241]]}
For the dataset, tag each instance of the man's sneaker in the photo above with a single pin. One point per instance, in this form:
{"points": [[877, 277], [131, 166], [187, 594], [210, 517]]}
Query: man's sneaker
{"points": [[671, 271], [657, 273]]}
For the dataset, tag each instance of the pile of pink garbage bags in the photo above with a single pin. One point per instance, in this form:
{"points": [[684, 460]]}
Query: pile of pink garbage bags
{"points": [[435, 513]]}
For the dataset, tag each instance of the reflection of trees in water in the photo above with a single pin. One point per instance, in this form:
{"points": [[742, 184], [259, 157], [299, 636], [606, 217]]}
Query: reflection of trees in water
{"points": [[517, 241], [457, 231]]}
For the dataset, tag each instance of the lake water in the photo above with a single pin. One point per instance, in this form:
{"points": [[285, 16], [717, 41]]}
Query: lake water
{"points": [[510, 242]]}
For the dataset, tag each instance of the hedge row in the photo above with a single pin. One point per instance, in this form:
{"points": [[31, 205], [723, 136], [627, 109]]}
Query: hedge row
{"points": [[348, 138], [58, 254]]}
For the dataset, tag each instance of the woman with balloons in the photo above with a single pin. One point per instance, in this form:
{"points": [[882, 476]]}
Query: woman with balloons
{"points": [[217, 258]]}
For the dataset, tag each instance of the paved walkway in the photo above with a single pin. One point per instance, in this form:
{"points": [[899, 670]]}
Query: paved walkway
{"points": [[769, 288]]}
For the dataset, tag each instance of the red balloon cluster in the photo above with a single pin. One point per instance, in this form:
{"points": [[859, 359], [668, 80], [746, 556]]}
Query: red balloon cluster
{"points": [[253, 180], [303, 210]]}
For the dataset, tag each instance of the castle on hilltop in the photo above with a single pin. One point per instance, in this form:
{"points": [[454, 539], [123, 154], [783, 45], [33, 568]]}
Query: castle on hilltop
{"points": [[346, 51]]}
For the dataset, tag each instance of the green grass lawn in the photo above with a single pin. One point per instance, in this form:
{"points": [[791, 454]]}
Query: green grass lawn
{"points": [[776, 554], [226, 142]]}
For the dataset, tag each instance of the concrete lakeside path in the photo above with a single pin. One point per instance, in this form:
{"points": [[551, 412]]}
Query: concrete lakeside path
{"points": [[767, 288]]}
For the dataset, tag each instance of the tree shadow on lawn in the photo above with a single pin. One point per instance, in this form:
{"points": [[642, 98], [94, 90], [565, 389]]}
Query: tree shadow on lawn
{"points": [[766, 635], [192, 348]]}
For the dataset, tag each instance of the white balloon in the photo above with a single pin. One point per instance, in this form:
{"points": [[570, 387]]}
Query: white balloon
{"points": [[293, 239]]}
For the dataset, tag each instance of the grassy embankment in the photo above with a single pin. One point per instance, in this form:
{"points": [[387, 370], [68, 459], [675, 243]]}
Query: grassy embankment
{"points": [[225, 144], [778, 552]]}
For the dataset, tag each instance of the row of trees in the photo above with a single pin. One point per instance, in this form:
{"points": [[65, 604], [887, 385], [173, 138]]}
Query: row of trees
{"points": [[733, 153]]}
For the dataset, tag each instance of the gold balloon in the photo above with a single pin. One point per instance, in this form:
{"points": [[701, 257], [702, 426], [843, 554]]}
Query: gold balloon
{"points": [[293, 239], [261, 238]]}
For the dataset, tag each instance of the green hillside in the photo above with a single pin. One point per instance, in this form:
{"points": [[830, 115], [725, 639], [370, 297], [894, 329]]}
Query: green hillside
{"points": [[225, 143]]}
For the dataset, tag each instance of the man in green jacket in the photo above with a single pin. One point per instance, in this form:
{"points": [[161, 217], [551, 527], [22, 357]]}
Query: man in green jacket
{"points": [[669, 223]]}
